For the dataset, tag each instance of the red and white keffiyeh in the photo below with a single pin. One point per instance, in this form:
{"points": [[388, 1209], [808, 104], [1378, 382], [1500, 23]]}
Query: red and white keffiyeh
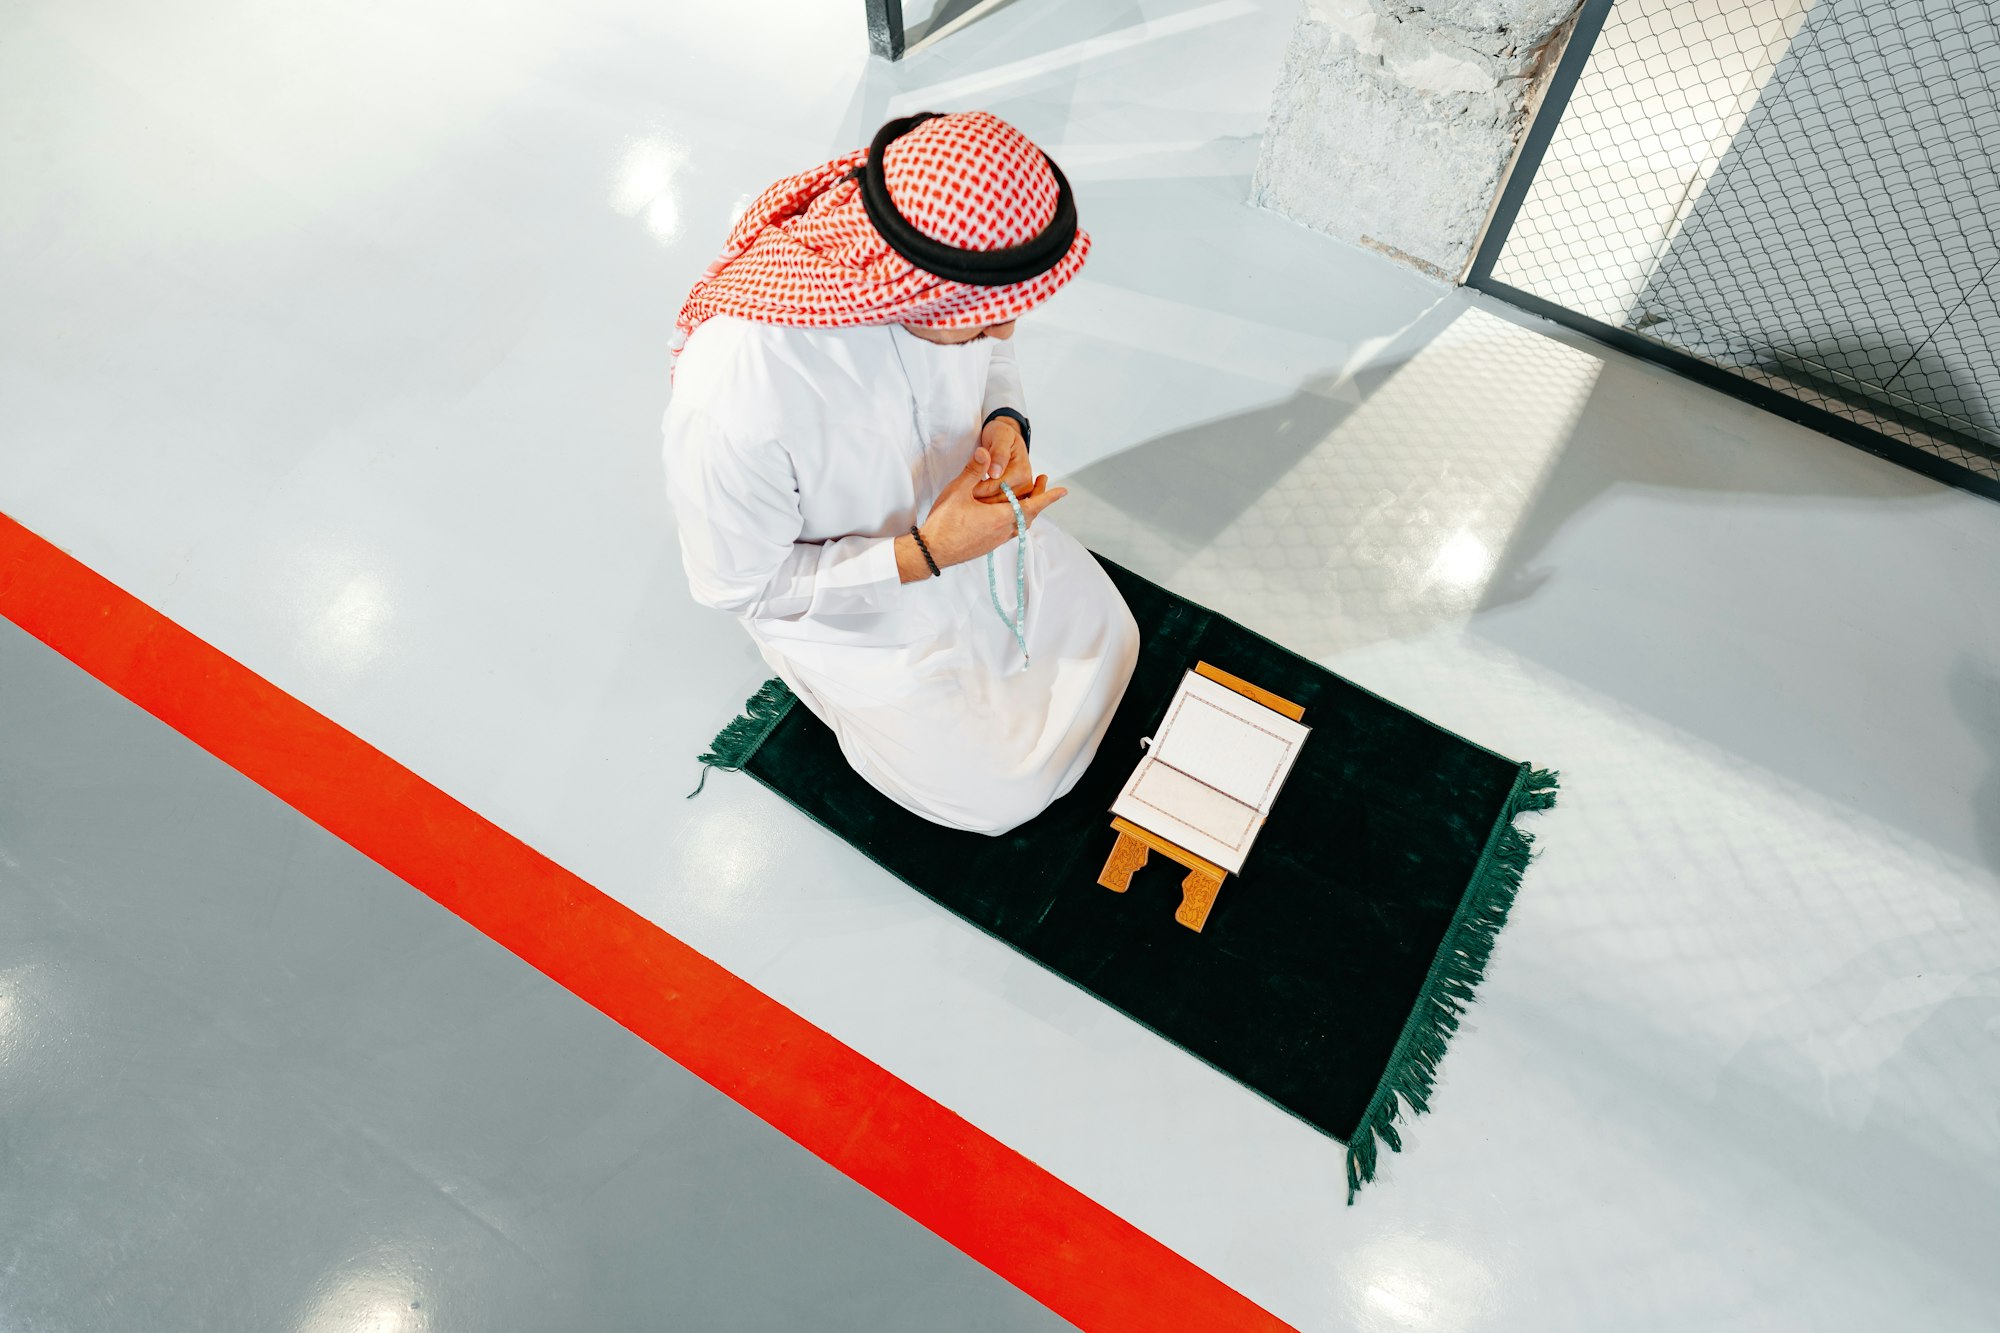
{"points": [[805, 252]]}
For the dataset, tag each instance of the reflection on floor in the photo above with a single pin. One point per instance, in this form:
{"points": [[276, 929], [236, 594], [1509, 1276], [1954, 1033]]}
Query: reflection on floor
{"points": [[337, 333]]}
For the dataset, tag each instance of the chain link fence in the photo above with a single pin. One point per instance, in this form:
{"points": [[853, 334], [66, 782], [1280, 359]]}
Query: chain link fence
{"points": [[1804, 194]]}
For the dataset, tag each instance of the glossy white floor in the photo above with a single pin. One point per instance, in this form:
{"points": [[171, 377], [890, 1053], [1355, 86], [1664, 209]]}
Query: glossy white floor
{"points": [[337, 332]]}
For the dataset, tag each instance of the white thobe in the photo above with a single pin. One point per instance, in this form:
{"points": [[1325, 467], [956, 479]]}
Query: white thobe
{"points": [[795, 457]]}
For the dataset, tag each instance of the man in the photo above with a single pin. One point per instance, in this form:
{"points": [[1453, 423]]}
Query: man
{"points": [[845, 409]]}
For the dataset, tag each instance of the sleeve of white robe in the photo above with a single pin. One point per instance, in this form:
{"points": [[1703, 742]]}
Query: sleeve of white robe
{"points": [[737, 504], [1003, 380]]}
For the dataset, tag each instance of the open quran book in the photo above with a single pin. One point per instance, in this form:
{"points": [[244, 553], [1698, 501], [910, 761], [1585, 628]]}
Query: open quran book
{"points": [[1211, 774]]}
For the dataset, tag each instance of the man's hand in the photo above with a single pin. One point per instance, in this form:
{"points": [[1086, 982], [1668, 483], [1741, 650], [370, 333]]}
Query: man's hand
{"points": [[961, 527], [1009, 453]]}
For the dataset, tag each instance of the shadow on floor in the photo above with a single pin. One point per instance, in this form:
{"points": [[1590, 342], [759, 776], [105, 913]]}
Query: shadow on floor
{"points": [[1777, 593], [1975, 694], [932, 27]]}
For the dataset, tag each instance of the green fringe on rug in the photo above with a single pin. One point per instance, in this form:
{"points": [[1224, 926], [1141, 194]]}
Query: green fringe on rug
{"points": [[740, 739], [1455, 972]]}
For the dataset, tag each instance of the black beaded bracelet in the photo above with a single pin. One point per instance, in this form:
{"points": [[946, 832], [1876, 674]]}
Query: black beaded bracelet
{"points": [[924, 546]]}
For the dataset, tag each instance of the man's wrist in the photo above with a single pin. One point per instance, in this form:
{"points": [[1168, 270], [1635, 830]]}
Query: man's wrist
{"points": [[1027, 435], [911, 566]]}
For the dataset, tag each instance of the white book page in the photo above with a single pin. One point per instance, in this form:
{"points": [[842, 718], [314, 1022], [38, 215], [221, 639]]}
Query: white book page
{"points": [[1233, 744], [1189, 815]]}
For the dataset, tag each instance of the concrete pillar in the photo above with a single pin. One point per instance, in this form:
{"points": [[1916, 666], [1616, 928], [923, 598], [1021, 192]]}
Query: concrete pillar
{"points": [[1394, 121]]}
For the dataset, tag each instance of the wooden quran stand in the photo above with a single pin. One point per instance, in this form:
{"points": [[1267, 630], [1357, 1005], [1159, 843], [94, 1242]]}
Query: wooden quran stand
{"points": [[1134, 845]]}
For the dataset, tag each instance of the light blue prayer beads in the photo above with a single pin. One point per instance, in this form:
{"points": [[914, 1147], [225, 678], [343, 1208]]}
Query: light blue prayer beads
{"points": [[1018, 622]]}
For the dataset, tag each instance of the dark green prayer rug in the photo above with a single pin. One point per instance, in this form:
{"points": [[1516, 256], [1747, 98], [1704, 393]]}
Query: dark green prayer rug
{"points": [[1331, 973]]}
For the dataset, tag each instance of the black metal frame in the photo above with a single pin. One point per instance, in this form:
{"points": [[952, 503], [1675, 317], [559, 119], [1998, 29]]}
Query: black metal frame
{"points": [[885, 28], [1555, 99], [1528, 159]]}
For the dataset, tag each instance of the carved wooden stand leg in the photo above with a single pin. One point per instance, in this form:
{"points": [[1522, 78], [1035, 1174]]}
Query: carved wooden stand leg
{"points": [[1198, 892], [1127, 855]]}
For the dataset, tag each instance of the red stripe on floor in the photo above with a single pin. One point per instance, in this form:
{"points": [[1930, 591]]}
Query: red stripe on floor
{"points": [[1076, 1257]]}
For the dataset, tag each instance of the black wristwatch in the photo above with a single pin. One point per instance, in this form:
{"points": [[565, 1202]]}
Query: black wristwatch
{"points": [[1027, 435]]}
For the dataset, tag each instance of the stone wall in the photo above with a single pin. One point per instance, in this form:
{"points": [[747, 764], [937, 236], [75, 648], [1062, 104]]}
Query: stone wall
{"points": [[1394, 121]]}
